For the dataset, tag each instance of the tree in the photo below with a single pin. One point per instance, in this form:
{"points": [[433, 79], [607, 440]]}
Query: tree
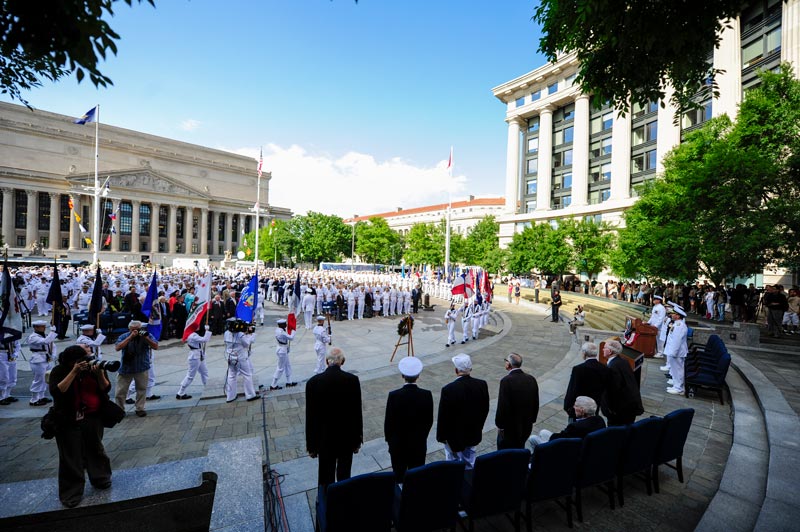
{"points": [[425, 244], [49, 40], [590, 243], [319, 237], [482, 245], [375, 240], [540, 247], [267, 245], [633, 49]]}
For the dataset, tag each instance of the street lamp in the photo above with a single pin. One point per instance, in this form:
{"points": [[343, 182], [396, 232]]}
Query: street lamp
{"points": [[353, 246]]}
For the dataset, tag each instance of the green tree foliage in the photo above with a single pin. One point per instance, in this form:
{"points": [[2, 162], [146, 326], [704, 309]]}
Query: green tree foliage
{"points": [[425, 244], [482, 245], [542, 248], [267, 248], [375, 241], [729, 201], [50, 40], [313, 238], [591, 244], [631, 49]]}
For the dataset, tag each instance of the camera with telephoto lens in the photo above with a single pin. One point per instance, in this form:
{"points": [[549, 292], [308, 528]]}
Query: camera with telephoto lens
{"points": [[236, 325], [108, 365]]}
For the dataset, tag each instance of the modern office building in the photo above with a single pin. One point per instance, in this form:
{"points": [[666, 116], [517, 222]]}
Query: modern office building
{"points": [[568, 159], [166, 199]]}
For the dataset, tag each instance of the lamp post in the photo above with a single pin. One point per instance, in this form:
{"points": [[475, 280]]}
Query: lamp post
{"points": [[353, 246]]}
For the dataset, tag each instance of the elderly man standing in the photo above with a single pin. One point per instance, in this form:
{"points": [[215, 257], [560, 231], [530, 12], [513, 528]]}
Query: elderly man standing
{"points": [[589, 378], [463, 408], [517, 405], [136, 346], [623, 400], [334, 425]]}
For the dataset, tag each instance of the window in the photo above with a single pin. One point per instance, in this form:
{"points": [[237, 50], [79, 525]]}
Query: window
{"points": [[530, 205], [533, 145], [221, 227], [235, 227], [599, 196], [144, 220], [644, 162], [21, 241], [65, 214], [568, 133], [125, 245], [533, 124], [697, 116], [640, 110], [180, 217], [650, 160], [520, 102], [752, 53], [644, 133], [563, 158], [64, 243], [532, 166], [569, 80], [125, 219], [530, 187], [560, 203], [600, 147], [163, 213], [536, 95], [143, 246], [20, 211], [44, 211], [552, 88], [608, 121], [600, 173], [195, 226], [562, 181], [569, 112], [773, 40]]}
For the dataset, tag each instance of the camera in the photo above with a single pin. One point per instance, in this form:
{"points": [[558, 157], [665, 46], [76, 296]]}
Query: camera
{"points": [[236, 325], [107, 365]]}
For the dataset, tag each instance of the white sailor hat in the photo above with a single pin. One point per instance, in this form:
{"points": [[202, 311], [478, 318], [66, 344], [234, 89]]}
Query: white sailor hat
{"points": [[309, 291], [658, 297], [281, 321], [320, 318], [87, 326], [39, 323], [462, 362], [410, 367], [678, 310]]}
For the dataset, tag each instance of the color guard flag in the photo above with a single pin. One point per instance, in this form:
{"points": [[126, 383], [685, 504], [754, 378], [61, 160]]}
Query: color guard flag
{"points": [[90, 116], [248, 301], [10, 315], [107, 241], [202, 299], [151, 309], [96, 304], [460, 285]]}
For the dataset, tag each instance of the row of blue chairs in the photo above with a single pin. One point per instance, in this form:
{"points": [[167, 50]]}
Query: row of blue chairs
{"points": [[112, 324], [435, 496], [707, 367]]}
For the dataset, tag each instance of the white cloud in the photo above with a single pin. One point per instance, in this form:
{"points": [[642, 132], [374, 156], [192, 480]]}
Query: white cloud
{"points": [[354, 183], [190, 124]]}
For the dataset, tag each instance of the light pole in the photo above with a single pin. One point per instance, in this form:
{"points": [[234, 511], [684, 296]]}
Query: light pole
{"points": [[353, 246]]}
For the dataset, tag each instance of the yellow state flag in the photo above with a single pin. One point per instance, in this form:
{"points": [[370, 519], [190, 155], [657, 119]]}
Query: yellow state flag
{"points": [[77, 217], [88, 241]]}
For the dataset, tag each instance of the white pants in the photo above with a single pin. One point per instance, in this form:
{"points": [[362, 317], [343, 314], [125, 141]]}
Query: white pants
{"points": [[676, 370], [361, 309], [351, 308], [476, 327], [537, 439], [392, 306], [660, 344], [451, 332], [41, 306], [284, 368], [467, 456], [465, 323], [195, 365], [307, 318], [38, 385], [8, 377], [244, 368], [321, 350], [406, 306]]}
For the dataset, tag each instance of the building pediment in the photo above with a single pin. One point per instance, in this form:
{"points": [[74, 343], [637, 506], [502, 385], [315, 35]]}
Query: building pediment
{"points": [[145, 182]]}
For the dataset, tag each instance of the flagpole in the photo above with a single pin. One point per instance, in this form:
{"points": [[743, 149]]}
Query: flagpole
{"points": [[447, 229], [96, 217], [258, 204]]}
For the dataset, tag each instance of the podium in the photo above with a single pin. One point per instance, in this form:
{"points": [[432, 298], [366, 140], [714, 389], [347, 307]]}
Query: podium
{"points": [[631, 356], [643, 337]]}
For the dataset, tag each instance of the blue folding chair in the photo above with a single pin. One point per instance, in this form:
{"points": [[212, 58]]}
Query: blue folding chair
{"points": [[552, 475], [429, 497], [496, 485], [358, 504], [673, 438]]}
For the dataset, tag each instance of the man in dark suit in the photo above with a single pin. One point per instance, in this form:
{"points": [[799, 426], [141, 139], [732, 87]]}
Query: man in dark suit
{"points": [[334, 426], [463, 407], [623, 402], [517, 405], [409, 418], [587, 422], [589, 378]]}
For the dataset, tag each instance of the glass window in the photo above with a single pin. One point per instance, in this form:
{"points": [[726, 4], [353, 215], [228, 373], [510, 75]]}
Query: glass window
{"points": [[637, 136], [650, 160], [65, 216], [163, 213], [235, 228], [533, 145], [530, 187], [536, 95], [180, 216], [44, 211], [568, 157], [144, 220], [752, 53], [608, 121], [640, 110], [566, 201], [125, 218], [567, 181], [530, 205], [651, 131], [569, 112], [533, 124], [125, 245], [568, 133], [221, 227], [532, 166], [569, 80], [773, 39], [20, 210], [520, 102], [552, 88], [195, 227], [637, 164]]}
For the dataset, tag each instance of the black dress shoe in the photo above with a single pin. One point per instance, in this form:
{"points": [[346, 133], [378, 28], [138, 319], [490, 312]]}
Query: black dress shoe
{"points": [[5, 402], [254, 398], [273, 388], [12, 398], [141, 413], [47, 400], [130, 402], [183, 397], [290, 384], [103, 485], [153, 397]]}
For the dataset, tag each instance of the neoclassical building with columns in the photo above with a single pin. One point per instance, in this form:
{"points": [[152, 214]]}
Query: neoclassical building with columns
{"points": [[170, 200], [568, 159]]}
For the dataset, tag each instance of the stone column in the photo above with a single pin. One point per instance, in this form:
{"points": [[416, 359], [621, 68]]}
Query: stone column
{"points": [[135, 220], [228, 229], [544, 179], [728, 57], [621, 157], [115, 208], [32, 218], [790, 34], [669, 134], [155, 209], [580, 152], [74, 232], [55, 221], [512, 165], [204, 231], [172, 230], [8, 217], [214, 233]]}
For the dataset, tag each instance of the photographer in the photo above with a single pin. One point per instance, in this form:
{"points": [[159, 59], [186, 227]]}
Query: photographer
{"points": [[239, 338], [578, 319], [136, 346], [79, 388]]}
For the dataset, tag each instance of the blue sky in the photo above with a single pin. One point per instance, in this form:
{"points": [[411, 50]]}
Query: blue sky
{"points": [[356, 105]]}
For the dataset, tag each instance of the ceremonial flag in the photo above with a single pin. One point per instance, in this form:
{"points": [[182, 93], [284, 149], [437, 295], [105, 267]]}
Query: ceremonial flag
{"points": [[248, 302], [151, 308], [291, 319], [70, 203], [87, 240], [201, 301], [90, 116], [113, 216], [77, 217], [82, 228], [10, 316], [108, 241], [113, 230], [469, 282], [260, 164], [450, 163], [96, 306], [55, 298], [459, 285]]}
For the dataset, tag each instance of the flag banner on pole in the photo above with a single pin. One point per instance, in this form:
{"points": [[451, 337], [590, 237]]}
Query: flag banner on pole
{"points": [[96, 305], [248, 301], [90, 116], [108, 241], [151, 308], [55, 298], [260, 164], [459, 285], [291, 319], [113, 216], [87, 240], [70, 203], [113, 230], [82, 228], [10, 315], [450, 163], [199, 307], [77, 217]]}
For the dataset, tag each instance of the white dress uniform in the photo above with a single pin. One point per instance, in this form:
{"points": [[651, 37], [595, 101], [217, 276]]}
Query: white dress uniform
{"points": [[386, 298], [466, 321], [450, 321], [196, 361], [83, 300], [676, 350], [350, 295], [237, 351], [477, 316], [309, 302], [9, 353], [406, 301], [360, 295], [282, 351], [392, 301], [657, 319], [95, 343], [321, 339], [43, 352]]}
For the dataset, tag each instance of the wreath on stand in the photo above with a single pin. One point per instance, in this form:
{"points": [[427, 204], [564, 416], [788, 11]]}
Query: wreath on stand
{"points": [[405, 325]]}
